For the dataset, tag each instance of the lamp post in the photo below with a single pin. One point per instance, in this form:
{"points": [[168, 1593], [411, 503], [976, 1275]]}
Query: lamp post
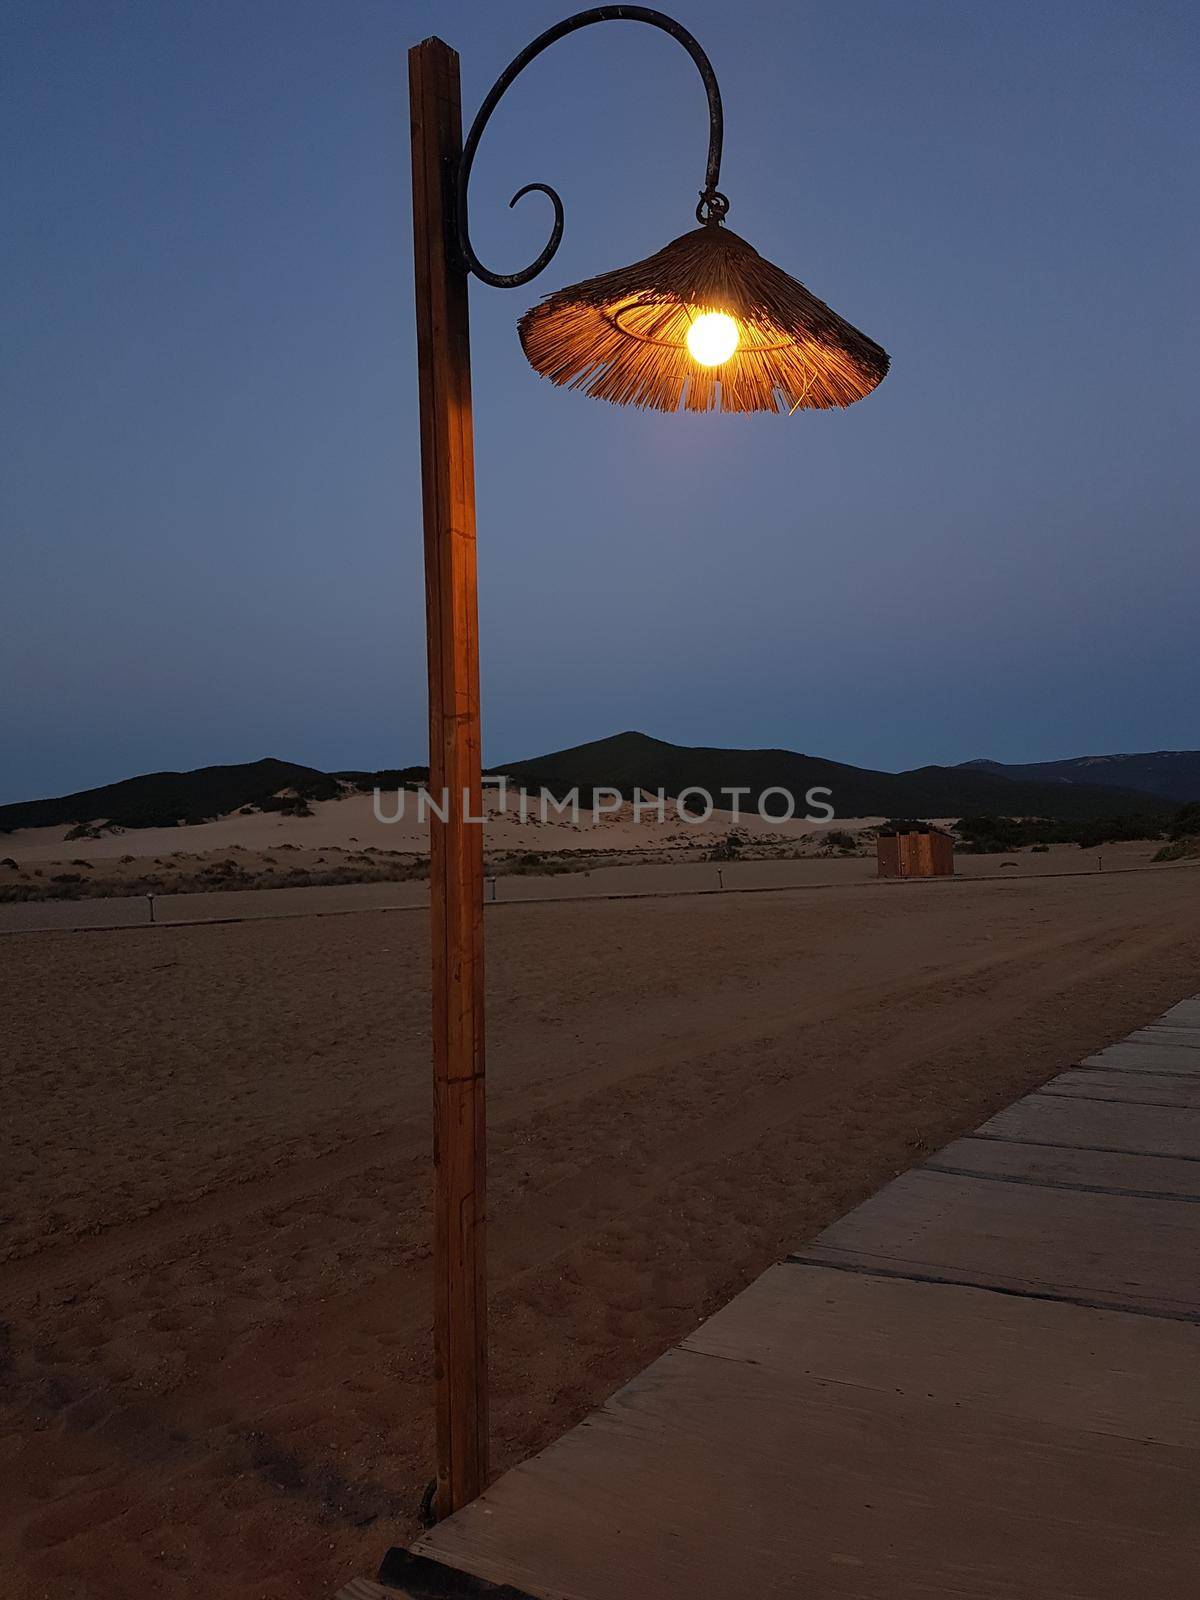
{"points": [[705, 324]]}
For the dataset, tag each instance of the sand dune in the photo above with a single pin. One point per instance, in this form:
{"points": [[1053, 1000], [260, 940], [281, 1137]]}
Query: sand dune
{"points": [[351, 820], [344, 840]]}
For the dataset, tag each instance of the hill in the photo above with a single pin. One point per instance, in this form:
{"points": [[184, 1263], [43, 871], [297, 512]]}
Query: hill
{"points": [[162, 799], [627, 761], [1170, 774], [634, 760]]}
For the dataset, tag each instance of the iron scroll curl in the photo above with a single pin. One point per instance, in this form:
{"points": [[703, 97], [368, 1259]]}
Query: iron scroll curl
{"points": [[713, 204]]}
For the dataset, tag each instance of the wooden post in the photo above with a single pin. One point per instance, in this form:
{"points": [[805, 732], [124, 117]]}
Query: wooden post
{"points": [[455, 845]]}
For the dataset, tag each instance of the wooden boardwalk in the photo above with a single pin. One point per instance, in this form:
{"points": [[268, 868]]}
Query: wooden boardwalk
{"points": [[983, 1382]]}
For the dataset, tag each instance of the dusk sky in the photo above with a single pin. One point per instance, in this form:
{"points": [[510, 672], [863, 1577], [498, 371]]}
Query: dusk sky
{"points": [[211, 499]]}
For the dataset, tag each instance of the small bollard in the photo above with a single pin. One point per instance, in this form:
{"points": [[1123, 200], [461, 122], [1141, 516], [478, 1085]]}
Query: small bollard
{"points": [[150, 901]]}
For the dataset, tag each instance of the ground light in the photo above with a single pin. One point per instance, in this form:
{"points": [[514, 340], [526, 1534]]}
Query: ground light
{"points": [[705, 324]]}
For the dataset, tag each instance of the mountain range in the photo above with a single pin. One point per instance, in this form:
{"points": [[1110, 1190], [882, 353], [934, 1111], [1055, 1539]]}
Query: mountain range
{"points": [[1171, 774], [1153, 783], [634, 760]]}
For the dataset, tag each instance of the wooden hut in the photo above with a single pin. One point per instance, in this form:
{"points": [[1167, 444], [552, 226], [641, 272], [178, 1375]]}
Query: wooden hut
{"points": [[914, 850]]}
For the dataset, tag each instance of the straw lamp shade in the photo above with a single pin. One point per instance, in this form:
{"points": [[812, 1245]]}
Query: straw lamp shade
{"points": [[623, 336]]}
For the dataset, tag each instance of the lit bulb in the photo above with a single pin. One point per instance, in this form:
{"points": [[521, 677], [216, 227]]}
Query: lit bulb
{"points": [[712, 338]]}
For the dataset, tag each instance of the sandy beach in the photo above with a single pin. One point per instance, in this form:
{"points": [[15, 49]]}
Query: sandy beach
{"points": [[343, 856], [215, 1163]]}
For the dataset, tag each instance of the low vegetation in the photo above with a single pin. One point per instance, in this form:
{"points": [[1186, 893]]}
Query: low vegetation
{"points": [[185, 878], [1179, 850], [727, 849], [1186, 822], [1183, 836], [992, 835]]}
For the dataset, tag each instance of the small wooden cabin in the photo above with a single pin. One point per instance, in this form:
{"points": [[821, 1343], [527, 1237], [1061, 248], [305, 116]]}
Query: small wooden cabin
{"points": [[914, 850]]}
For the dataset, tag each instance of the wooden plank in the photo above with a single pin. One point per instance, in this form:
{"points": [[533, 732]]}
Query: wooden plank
{"points": [[1136, 1130], [365, 1589], [1099, 1249], [925, 855], [727, 1479], [1187, 1038], [456, 844], [1139, 1088], [1186, 1014], [1079, 1169], [1107, 1372], [1146, 1058], [1179, 1041]]}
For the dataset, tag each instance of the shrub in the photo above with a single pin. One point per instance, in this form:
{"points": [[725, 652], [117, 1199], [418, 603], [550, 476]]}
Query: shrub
{"points": [[980, 833], [287, 805], [1186, 822], [1178, 850], [726, 849]]}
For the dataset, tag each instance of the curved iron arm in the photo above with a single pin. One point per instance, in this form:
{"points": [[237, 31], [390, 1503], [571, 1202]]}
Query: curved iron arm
{"points": [[713, 204]]}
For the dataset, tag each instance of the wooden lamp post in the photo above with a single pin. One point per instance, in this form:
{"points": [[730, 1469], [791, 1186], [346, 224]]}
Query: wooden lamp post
{"points": [[706, 324]]}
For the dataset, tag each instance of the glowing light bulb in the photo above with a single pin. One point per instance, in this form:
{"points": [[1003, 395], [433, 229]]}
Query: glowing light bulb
{"points": [[712, 338]]}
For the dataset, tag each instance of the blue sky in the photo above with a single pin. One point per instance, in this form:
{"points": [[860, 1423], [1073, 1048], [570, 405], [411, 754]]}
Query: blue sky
{"points": [[211, 509]]}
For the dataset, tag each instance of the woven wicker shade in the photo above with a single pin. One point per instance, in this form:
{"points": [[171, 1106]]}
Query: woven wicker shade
{"points": [[622, 336]]}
